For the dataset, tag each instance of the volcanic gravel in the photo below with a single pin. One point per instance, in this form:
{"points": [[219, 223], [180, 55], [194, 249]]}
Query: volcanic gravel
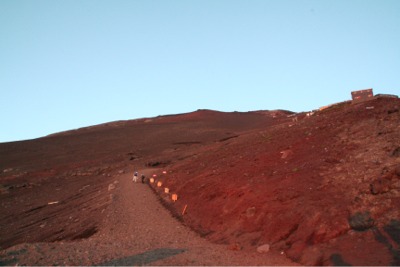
{"points": [[137, 230]]}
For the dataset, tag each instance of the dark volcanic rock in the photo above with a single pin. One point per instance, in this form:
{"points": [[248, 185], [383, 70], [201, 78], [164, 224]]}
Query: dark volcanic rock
{"points": [[393, 230], [397, 170], [380, 186], [361, 221], [396, 152]]}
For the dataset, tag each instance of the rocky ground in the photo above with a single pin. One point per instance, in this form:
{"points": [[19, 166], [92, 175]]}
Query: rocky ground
{"points": [[136, 230], [316, 189], [325, 189]]}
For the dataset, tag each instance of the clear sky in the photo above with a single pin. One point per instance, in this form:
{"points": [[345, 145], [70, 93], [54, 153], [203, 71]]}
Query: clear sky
{"points": [[75, 63]]}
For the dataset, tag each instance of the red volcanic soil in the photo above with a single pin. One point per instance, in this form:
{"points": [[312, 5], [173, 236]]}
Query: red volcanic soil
{"points": [[321, 189]]}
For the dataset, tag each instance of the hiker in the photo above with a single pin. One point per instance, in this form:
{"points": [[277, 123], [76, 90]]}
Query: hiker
{"points": [[143, 177], [135, 177]]}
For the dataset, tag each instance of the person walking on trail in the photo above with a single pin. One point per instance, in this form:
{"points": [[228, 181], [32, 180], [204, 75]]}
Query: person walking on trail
{"points": [[135, 177], [143, 177]]}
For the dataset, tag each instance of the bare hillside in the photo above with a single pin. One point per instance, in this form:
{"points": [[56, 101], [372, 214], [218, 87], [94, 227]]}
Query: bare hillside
{"points": [[321, 189]]}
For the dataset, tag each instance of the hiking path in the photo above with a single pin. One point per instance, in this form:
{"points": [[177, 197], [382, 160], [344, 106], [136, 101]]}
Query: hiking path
{"points": [[139, 230]]}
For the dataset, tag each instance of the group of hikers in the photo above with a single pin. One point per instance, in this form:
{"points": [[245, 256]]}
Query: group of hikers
{"points": [[136, 177]]}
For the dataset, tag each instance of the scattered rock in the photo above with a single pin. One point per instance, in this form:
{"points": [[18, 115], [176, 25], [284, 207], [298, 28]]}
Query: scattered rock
{"points": [[132, 155], [111, 187], [263, 249], [332, 160], [296, 250], [361, 221], [84, 187], [337, 260], [385, 170], [397, 170], [393, 230], [250, 212], [380, 186], [3, 190], [286, 153], [396, 152], [157, 163], [235, 247], [390, 111]]}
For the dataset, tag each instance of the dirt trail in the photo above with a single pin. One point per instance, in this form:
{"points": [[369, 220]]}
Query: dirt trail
{"points": [[137, 230]]}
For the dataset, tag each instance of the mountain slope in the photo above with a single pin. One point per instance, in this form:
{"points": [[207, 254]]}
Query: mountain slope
{"points": [[75, 168], [322, 189], [312, 188]]}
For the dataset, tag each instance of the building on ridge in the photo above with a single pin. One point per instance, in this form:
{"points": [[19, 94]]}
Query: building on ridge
{"points": [[362, 95]]}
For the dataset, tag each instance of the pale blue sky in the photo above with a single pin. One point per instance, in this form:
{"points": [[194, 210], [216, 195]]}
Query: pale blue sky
{"points": [[74, 63]]}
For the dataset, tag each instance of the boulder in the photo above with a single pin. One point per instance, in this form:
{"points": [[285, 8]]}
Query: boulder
{"points": [[263, 249], [361, 221], [286, 153], [380, 186]]}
